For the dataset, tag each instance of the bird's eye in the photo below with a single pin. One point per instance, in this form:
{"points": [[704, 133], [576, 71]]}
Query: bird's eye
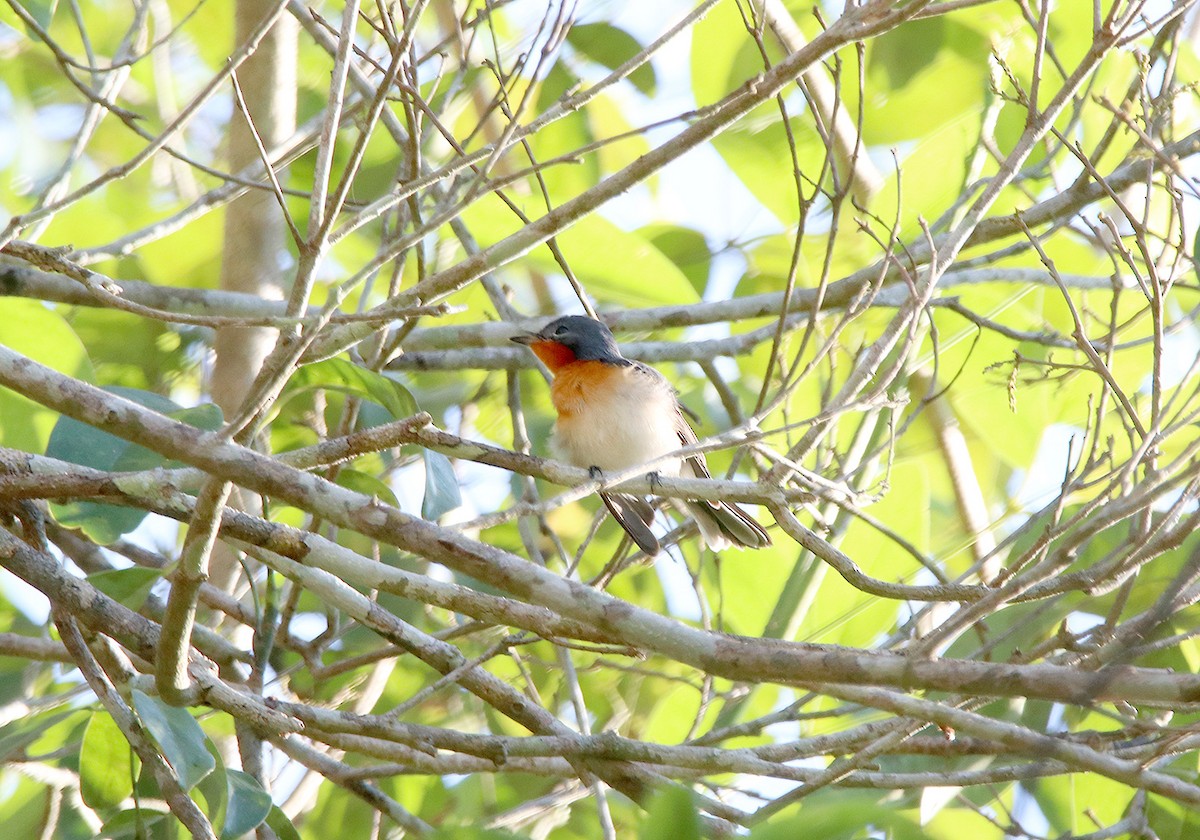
{"points": [[560, 330]]}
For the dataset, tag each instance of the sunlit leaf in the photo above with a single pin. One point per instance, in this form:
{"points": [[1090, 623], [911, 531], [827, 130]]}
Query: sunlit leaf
{"points": [[671, 815], [909, 63], [106, 763], [41, 334], [19, 734], [345, 376], [685, 247]]}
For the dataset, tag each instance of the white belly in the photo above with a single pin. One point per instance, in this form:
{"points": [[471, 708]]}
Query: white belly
{"points": [[624, 427]]}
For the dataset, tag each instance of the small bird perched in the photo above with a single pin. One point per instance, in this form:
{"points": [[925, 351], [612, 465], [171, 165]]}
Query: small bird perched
{"points": [[615, 413]]}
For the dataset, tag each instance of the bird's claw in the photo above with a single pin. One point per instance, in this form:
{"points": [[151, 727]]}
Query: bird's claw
{"points": [[655, 479], [595, 472]]}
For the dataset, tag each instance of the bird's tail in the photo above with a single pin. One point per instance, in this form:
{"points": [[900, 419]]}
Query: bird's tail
{"points": [[724, 524], [634, 514]]}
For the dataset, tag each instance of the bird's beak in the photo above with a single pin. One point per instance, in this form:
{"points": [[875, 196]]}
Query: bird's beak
{"points": [[526, 338]]}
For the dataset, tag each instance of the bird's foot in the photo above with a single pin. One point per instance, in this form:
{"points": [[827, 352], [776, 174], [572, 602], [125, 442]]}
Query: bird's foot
{"points": [[655, 479], [595, 472]]}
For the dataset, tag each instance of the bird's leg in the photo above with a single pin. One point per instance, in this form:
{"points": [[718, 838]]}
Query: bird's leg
{"points": [[595, 472], [655, 479]]}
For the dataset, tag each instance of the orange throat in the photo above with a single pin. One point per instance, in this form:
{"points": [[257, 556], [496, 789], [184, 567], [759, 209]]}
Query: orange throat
{"points": [[581, 388], [553, 355]]}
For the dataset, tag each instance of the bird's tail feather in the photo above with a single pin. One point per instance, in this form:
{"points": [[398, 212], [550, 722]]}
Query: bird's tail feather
{"points": [[634, 514], [724, 524]]}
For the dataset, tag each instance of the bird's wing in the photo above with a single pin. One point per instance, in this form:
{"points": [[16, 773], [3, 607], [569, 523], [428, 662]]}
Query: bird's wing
{"points": [[721, 523], [687, 437]]}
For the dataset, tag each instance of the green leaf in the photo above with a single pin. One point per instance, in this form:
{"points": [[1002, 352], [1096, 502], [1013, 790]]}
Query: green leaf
{"points": [[41, 334], [843, 816], [79, 443], [129, 586], [470, 832], [106, 763], [441, 486], [671, 815], [16, 736], [756, 148], [182, 741], [105, 524], [1068, 802], [1196, 252], [206, 416], [615, 265], [924, 75], [278, 822], [611, 47], [249, 805], [347, 377], [23, 806], [685, 247], [558, 81], [140, 824], [722, 57], [367, 484], [42, 11], [904, 52], [1172, 820], [88, 446], [618, 264], [212, 792]]}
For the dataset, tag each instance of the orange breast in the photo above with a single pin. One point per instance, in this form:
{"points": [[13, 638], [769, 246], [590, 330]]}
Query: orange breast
{"points": [[577, 383]]}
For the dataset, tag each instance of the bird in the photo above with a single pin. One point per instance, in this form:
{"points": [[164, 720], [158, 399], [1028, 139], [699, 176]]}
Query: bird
{"points": [[615, 413]]}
